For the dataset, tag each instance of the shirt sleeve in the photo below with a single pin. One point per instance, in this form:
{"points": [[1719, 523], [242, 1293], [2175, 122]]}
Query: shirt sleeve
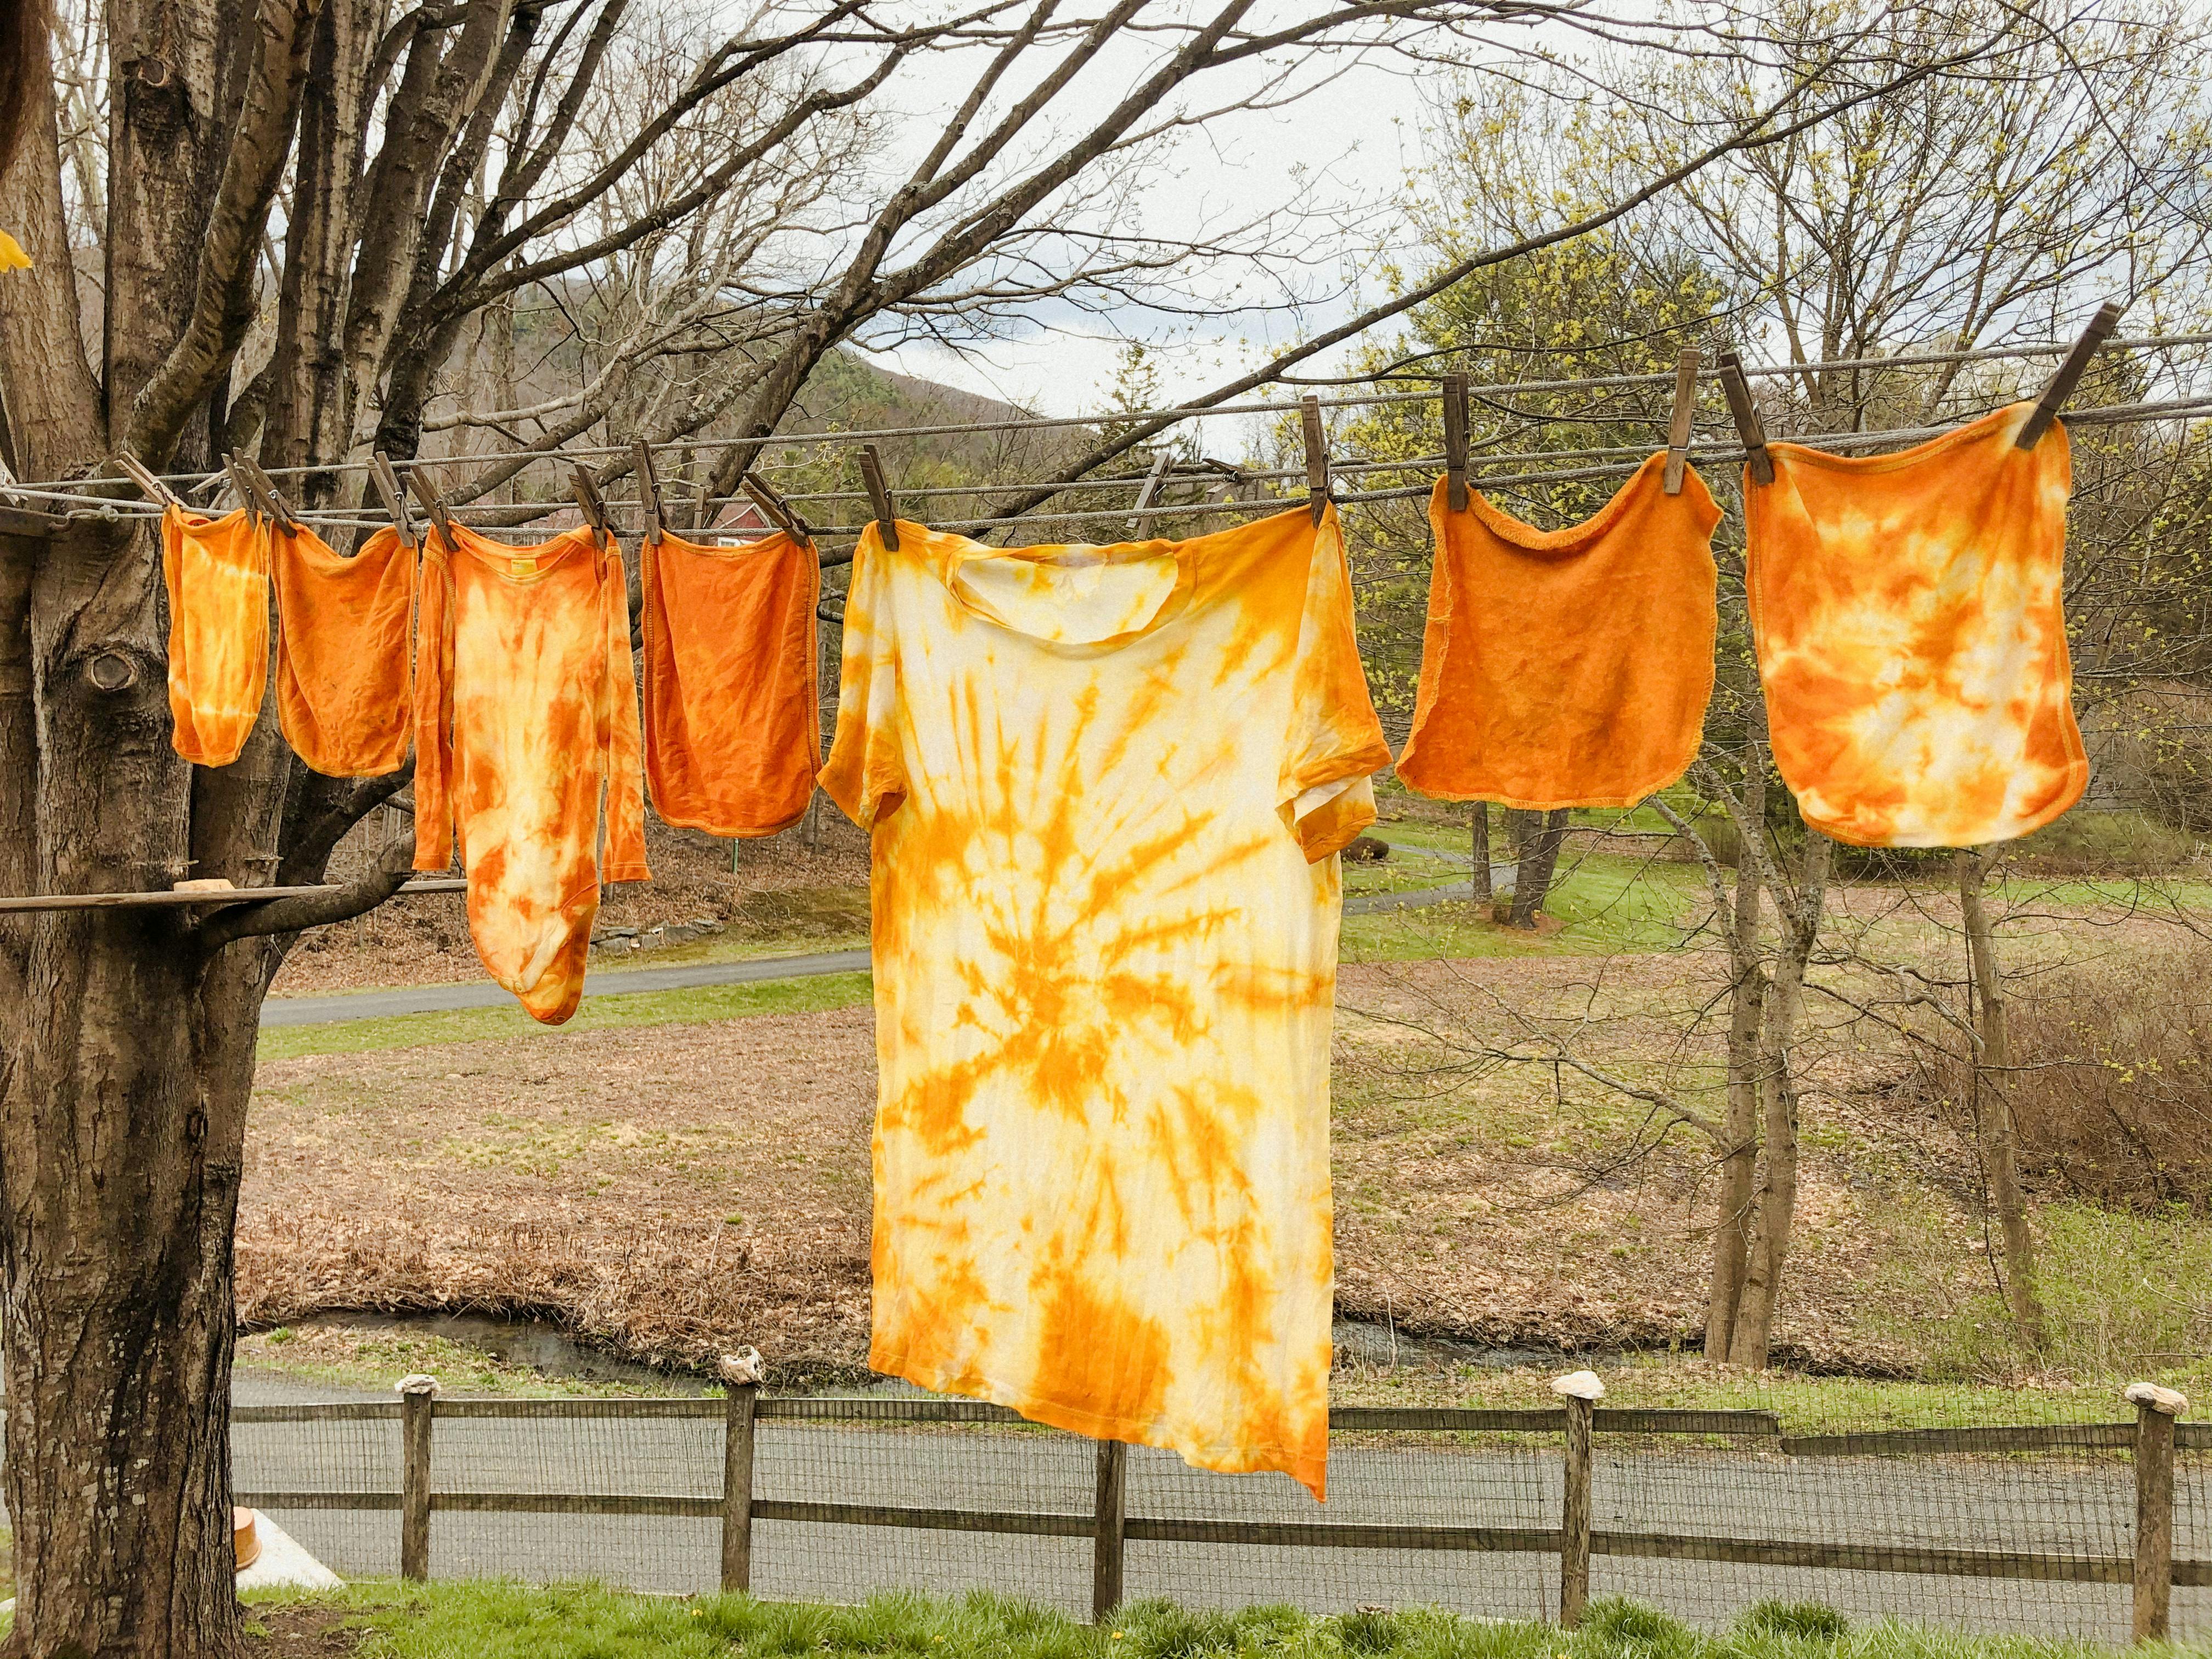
{"points": [[624, 858], [865, 774], [434, 710], [1335, 743]]}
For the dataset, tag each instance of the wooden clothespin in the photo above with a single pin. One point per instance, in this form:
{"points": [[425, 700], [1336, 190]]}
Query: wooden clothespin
{"points": [[1761, 464], [1455, 441], [1316, 456], [648, 492], [593, 504], [148, 486], [779, 512], [433, 503], [1149, 491], [272, 498], [2062, 384], [1678, 427], [879, 497], [395, 501]]}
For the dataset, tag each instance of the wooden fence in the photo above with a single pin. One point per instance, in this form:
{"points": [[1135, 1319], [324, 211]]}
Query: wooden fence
{"points": [[2151, 1569]]}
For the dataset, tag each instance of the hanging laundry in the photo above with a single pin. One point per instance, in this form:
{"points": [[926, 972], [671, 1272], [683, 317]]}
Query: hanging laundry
{"points": [[344, 629], [732, 721], [1105, 786], [217, 573], [524, 710], [1907, 613], [1567, 667]]}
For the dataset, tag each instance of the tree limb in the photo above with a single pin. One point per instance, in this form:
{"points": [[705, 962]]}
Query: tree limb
{"points": [[289, 916]]}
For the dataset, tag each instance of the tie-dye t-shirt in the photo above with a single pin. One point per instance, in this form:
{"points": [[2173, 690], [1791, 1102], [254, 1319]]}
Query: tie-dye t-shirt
{"points": [[1912, 641], [1106, 786]]}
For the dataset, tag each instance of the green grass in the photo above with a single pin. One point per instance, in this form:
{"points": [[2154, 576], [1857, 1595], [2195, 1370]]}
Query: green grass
{"points": [[491, 1620], [371, 1359], [601, 1011], [1607, 903]]}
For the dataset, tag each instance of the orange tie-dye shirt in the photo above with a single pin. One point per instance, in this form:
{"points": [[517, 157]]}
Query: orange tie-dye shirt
{"points": [[1910, 637], [525, 708], [1106, 786], [217, 573], [343, 645], [1567, 667]]}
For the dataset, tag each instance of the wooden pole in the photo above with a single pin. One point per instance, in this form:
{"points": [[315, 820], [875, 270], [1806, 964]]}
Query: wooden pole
{"points": [[2155, 1410], [1107, 1535], [1481, 845], [1579, 1392], [418, 1399], [743, 1400]]}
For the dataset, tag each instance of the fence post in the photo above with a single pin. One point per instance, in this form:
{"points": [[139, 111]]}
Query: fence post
{"points": [[418, 1399], [1579, 1391], [741, 1372], [1106, 1539], [2155, 1410]]}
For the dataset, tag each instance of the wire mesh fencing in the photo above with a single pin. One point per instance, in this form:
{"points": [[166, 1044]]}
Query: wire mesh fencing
{"points": [[1499, 1514]]}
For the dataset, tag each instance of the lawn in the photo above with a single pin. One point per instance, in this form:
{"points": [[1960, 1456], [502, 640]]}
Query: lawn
{"points": [[585, 1621]]}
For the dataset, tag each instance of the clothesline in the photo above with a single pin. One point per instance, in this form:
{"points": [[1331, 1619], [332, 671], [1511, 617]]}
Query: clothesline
{"points": [[62, 490], [1613, 461]]}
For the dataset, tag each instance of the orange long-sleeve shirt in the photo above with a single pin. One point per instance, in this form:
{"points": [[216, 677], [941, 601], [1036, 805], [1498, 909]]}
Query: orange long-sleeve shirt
{"points": [[216, 574], [342, 644], [524, 709]]}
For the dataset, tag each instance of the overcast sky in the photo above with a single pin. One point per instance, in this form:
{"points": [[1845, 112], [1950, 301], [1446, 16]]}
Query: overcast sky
{"points": [[1350, 143]]}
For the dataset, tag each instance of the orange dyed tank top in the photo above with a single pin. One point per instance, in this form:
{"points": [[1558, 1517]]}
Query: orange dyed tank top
{"points": [[732, 727], [1910, 637], [1567, 667], [1105, 787], [343, 638], [217, 573], [524, 709]]}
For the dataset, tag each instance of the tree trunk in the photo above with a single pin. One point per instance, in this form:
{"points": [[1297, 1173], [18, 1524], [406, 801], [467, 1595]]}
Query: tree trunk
{"points": [[1481, 847], [1540, 856], [1739, 1152], [1776, 1217], [122, 1129], [1993, 1108]]}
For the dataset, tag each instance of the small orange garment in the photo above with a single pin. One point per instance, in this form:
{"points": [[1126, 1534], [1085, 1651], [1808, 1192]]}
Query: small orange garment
{"points": [[1908, 615], [342, 639], [1567, 667], [1105, 788], [216, 571], [732, 727], [524, 709]]}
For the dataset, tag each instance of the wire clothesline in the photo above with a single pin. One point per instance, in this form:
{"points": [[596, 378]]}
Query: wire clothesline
{"points": [[1613, 461]]}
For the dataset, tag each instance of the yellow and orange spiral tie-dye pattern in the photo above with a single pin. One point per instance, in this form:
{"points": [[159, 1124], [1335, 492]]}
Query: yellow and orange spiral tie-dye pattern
{"points": [[525, 708], [1910, 635], [1106, 787], [217, 574]]}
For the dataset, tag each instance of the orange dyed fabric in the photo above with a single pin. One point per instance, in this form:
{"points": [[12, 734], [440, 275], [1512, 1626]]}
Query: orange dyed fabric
{"points": [[732, 727], [216, 572], [343, 645], [1907, 610], [1567, 667], [524, 710], [1106, 785]]}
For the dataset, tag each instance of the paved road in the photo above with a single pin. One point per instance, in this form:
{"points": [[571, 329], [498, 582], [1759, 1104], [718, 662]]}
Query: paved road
{"points": [[620, 982], [2048, 1505]]}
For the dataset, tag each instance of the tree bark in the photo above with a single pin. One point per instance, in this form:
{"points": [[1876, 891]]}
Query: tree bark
{"points": [[1482, 848], [1992, 1083], [1540, 856], [122, 1127], [1775, 1219], [1739, 1152]]}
